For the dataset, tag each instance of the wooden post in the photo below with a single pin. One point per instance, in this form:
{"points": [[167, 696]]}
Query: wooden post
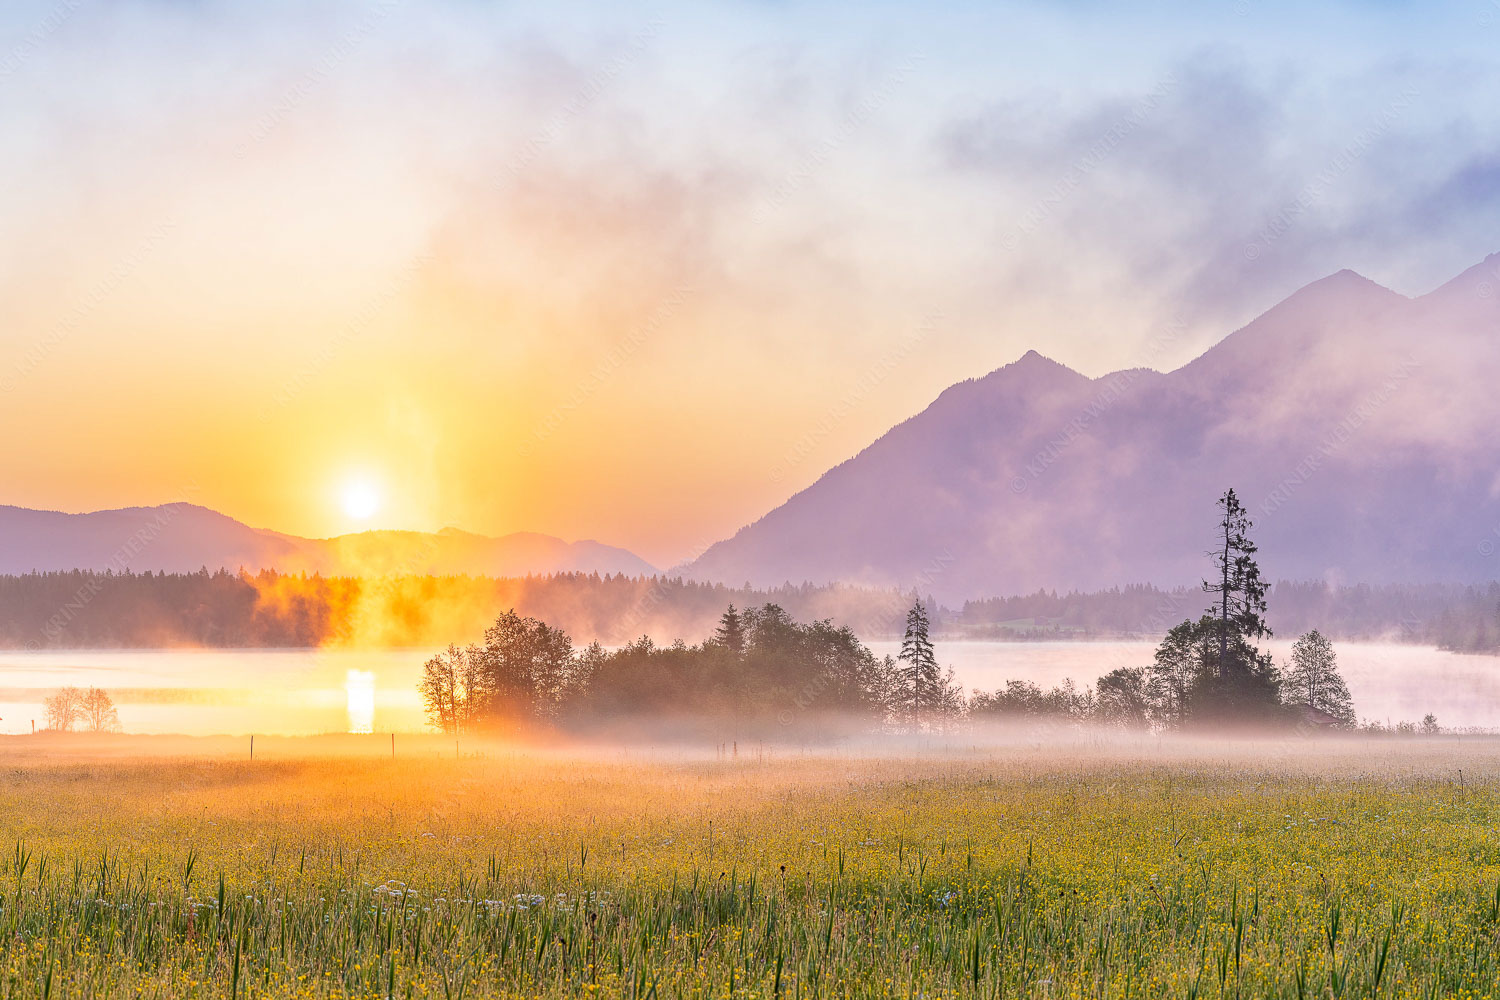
{"points": [[252, 746]]}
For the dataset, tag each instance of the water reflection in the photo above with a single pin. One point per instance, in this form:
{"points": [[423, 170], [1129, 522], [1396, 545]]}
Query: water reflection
{"points": [[359, 690], [199, 692], [297, 692]]}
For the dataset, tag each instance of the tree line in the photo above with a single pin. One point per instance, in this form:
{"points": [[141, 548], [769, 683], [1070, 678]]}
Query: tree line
{"points": [[1458, 617], [1212, 672], [761, 670], [762, 665], [81, 609]]}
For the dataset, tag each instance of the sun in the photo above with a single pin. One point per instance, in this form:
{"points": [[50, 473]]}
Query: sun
{"points": [[360, 499]]}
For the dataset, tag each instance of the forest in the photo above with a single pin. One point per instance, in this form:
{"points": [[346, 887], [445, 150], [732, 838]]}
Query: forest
{"points": [[760, 672], [82, 609], [762, 664], [222, 609], [763, 674]]}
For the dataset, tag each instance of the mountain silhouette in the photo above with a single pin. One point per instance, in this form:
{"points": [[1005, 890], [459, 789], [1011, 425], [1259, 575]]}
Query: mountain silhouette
{"points": [[184, 537], [1357, 425]]}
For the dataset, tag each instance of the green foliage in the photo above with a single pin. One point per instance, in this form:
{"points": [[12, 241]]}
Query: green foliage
{"points": [[731, 631], [1019, 700], [1122, 699], [1134, 876], [919, 668], [1241, 605], [84, 609], [1210, 672], [761, 671], [1312, 679]]}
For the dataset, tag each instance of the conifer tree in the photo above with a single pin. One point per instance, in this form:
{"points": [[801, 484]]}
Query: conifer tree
{"points": [[1241, 605], [921, 681], [1212, 670], [731, 631]]}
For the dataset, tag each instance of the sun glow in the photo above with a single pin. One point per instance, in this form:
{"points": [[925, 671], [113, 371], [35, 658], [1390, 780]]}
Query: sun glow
{"points": [[360, 499], [359, 688]]}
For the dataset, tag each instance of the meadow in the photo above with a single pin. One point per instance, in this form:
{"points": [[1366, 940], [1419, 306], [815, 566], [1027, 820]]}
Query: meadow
{"points": [[1090, 866]]}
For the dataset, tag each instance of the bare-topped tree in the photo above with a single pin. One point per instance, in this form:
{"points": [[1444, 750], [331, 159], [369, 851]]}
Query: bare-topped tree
{"points": [[1211, 670], [1241, 605]]}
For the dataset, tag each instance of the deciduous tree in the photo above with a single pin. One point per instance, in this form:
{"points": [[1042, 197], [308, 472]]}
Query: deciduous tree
{"points": [[1313, 679]]}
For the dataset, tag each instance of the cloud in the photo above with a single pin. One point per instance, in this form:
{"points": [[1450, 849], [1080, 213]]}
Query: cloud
{"points": [[730, 210], [1223, 186]]}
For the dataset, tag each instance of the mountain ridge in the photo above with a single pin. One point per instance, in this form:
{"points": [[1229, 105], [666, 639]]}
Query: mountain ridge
{"points": [[181, 536], [1333, 411]]}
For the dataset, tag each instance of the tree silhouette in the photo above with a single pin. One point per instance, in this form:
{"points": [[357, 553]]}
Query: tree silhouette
{"points": [[731, 631], [91, 709], [920, 677], [1187, 656], [1122, 699], [1212, 669], [1241, 605], [64, 709], [524, 664], [1313, 677], [97, 711], [453, 689]]}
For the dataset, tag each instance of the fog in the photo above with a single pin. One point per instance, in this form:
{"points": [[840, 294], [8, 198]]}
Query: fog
{"points": [[1388, 681], [303, 692], [205, 692]]}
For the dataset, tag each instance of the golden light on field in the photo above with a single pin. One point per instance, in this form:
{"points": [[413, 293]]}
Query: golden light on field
{"points": [[359, 689], [1083, 865]]}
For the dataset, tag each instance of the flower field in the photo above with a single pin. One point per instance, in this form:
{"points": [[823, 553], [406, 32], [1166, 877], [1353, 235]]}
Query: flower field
{"points": [[1085, 870]]}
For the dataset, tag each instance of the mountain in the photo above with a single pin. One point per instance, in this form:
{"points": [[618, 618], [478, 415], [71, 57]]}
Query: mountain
{"points": [[1357, 425], [183, 537]]}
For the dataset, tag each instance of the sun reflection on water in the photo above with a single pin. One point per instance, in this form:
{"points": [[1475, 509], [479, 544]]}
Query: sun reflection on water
{"points": [[359, 685]]}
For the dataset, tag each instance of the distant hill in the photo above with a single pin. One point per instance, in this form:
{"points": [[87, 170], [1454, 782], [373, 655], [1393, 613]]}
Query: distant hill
{"points": [[1358, 426], [183, 537]]}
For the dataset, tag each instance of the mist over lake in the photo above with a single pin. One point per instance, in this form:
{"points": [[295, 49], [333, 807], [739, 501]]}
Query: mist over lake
{"points": [[306, 691]]}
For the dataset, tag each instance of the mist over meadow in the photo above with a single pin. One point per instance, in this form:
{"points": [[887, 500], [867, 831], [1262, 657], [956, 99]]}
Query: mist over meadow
{"points": [[723, 501]]}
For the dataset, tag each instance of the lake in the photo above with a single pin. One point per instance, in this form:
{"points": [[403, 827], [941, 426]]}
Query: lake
{"points": [[297, 692]]}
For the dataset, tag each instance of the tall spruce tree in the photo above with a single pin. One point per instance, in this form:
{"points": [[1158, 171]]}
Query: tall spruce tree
{"points": [[731, 631], [921, 681], [1241, 604], [1211, 670]]}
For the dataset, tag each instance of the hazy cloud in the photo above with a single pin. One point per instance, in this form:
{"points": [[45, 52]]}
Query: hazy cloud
{"points": [[1072, 179]]}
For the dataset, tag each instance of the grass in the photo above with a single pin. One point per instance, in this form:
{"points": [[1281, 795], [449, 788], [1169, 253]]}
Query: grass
{"points": [[1089, 870]]}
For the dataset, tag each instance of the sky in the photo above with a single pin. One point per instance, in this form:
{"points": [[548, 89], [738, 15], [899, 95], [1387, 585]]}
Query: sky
{"points": [[640, 272]]}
